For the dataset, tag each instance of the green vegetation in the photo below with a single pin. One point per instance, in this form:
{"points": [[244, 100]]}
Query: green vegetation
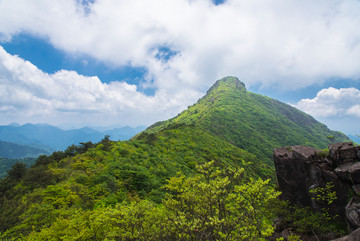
{"points": [[85, 178], [203, 175], [6, 164], [17, 151], [253, 122], [216, 204], [305, 220]]}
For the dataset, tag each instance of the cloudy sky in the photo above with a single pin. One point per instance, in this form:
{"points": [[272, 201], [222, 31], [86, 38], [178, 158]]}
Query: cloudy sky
{"points": [[73, 63]]}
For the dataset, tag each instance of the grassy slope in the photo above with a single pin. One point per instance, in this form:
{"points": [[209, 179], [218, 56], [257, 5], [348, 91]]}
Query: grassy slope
{"points": [[250, 121]]}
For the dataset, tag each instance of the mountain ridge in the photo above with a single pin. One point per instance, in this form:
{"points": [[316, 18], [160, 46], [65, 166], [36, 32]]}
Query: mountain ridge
{"points": [[52, 138], [251, 121], [14, 151]]}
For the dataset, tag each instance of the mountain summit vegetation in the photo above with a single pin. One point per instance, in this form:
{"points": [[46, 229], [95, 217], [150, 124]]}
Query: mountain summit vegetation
{"points": [[250, 121], [202, 175]]}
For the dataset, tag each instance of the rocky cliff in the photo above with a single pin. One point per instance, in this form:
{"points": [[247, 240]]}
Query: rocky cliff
{"points": [[300, 170]]}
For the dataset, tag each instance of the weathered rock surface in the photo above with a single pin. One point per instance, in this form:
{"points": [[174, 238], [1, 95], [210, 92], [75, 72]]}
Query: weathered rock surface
{"points": [[354, 236], [343, 152], [352, 211], [291, 174], [300, 169], [349, 172]]}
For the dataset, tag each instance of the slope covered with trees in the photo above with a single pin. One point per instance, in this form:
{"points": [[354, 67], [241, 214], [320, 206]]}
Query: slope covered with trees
{"points": [[70, 186], [14, 151], [251, 121], [183, 179], [6, 164]]}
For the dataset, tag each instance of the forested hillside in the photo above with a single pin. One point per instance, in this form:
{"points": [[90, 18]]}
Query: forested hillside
{"points": [[14, 151], [252, 122], [51, 138], [109, 176], [203, 175], [6, 164]]}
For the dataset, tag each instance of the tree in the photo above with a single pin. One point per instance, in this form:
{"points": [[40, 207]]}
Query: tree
{"points": [[219, 205], [17, 171], [331, 138]]}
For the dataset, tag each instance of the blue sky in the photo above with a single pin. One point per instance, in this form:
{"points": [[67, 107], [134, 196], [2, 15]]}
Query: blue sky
{"points": [[74, 63]]}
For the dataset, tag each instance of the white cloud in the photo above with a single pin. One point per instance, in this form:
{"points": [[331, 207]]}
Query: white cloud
{"points": [[354, 110], [286, 43], [333, 102], [65, 96]]}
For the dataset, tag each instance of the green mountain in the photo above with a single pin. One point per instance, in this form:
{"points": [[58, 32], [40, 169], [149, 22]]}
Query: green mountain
{"points": [[15, 151], [250, 121], [11, 153], [44, 136], [193, 177]]}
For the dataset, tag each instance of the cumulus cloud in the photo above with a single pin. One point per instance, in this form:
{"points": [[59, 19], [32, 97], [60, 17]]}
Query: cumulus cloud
{"points": [[289, 44], [286, 44], [333, 102], [65, 96]]}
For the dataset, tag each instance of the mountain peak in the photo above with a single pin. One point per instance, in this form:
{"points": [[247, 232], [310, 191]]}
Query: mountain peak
{"points": [[250, 121], [228, 82]]}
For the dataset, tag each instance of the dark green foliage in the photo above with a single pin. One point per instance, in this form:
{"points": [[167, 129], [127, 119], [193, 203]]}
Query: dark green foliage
{"points": [[6, 164], [38, 176], [304, 220], [17, 171]]}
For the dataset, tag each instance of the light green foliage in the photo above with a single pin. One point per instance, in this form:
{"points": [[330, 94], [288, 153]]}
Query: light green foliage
{"points": [[250, 121], [213, 205], [294, 237], [113, 190], [125, 171], [127, 221], [331, 138], [218, 205], [326, 195], [323, 153]]}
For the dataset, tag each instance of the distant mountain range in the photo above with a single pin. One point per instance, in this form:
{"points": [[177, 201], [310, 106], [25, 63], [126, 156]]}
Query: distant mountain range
{"points": [[15, 151], [354, 138], [32, 140]]}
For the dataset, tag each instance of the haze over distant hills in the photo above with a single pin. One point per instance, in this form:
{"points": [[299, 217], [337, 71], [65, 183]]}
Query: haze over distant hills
{"points": [[354, 138], [35, 139]]}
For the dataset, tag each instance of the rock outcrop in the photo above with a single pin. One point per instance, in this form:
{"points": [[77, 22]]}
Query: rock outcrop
{"points": [[354, 236], [300, 169]]}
